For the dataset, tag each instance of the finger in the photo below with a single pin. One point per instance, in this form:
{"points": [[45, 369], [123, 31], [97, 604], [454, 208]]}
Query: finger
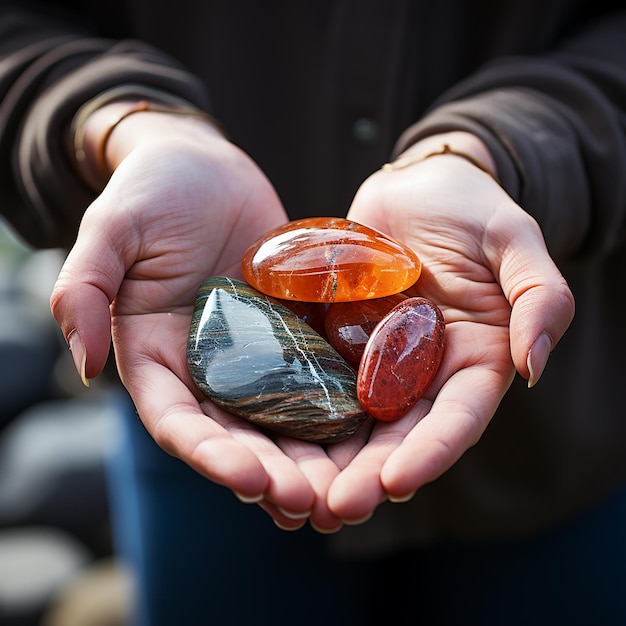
{"points": [[458, 417], [284, 522], [154, 374], [320, 471], [357, 490], [184, 431], [87, 284], [223, 448], [542, 303], [150, 351], [344, 452], [82, 312], [288, 488]]}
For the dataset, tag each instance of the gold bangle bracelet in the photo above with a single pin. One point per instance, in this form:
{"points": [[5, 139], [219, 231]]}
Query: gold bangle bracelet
{"points": [[410, 159]]}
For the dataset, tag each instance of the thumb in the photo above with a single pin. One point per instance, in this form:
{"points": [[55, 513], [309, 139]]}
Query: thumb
{"points": [[539, 318], [80, 301], [542, 305]]}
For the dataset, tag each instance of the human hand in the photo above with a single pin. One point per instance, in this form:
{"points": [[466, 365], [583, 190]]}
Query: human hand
{"points": [[182, 204], [505, 304]]}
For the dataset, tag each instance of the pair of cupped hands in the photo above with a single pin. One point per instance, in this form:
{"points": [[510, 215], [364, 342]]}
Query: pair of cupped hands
{"points": [[184, 203]]}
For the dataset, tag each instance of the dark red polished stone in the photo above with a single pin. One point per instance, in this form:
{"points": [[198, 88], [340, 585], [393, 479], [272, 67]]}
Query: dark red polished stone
{"points": [[401, 359], [329, 259], [348, 325], [311, 313]]}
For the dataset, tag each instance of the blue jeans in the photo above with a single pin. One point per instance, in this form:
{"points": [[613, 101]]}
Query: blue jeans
{"points": [[202, 557]]}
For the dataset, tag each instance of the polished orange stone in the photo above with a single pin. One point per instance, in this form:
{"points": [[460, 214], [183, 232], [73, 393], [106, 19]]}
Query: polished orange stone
{"points": [[327, 259]]}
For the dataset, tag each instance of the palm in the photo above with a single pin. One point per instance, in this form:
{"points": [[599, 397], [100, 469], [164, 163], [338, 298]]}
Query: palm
{"points": [[179, 224], [462, 276]]}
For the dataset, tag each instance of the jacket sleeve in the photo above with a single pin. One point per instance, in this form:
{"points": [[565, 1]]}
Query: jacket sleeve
{"points": [[556, 126], [50, 65]]}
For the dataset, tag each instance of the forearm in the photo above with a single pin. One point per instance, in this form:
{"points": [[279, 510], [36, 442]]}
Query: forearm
{"points": [[555, 129], [42, 86]]}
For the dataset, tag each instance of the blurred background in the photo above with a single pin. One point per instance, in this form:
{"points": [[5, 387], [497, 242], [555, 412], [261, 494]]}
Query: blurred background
{"points": [[56, 555]]}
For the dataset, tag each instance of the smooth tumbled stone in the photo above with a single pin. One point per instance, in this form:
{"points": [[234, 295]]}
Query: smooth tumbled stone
{"points": [[329, 259], [401, 359], [348, 325], [312, 313], [257, 359]]}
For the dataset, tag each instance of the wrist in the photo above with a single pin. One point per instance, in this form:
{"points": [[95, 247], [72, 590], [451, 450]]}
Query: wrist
{"points": [[90, 136], [97, 146], [459, 144]]}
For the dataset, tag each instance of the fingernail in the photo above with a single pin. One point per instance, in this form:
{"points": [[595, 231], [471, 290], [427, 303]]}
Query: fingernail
{"points": [[290, 528], [249, 499], [292, 515], [360, 520], [326, 531], [79, 354], [538, 358], [398, 499]]}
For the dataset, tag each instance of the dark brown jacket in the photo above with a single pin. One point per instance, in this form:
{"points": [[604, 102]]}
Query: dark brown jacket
{"points": [[318, 93]]}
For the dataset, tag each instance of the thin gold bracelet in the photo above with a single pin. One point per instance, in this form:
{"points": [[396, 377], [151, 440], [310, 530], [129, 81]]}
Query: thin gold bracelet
{"points": [[410, 159], [142, 107], [98, 173]]}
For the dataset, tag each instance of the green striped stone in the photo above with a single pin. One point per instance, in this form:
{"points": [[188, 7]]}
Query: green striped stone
{"points": [[256, 359]]}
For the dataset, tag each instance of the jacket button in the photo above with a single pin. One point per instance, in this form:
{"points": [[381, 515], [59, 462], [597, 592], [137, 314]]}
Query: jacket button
{"points": [[366, 131]]}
